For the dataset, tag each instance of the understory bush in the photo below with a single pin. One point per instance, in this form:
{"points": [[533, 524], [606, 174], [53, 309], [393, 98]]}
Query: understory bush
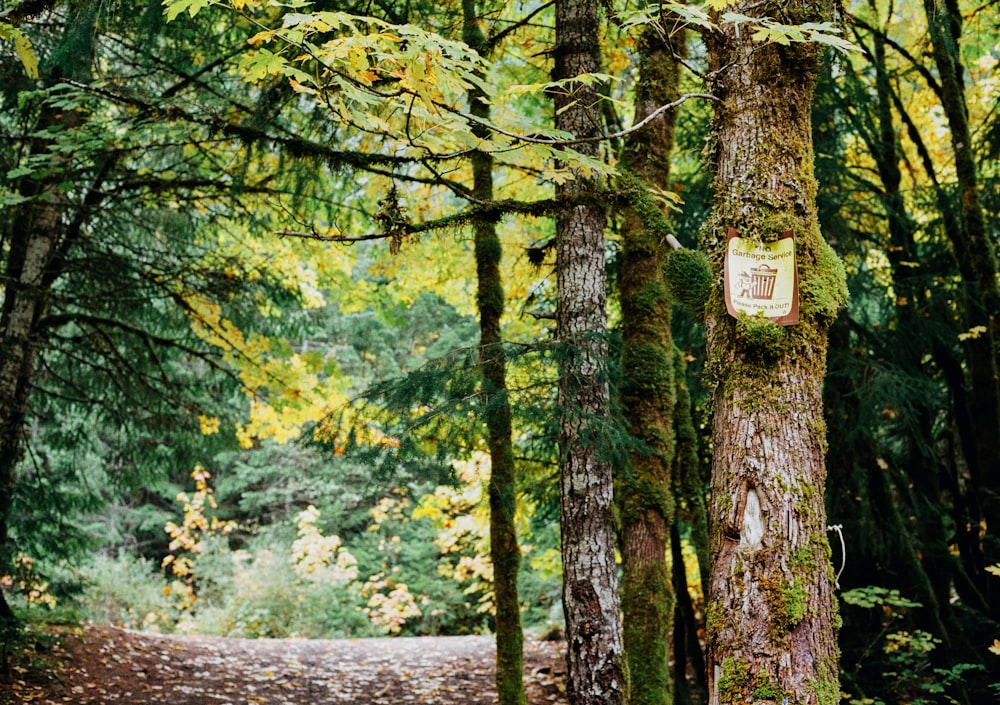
{"points": [[416, 568], [127, 591]]}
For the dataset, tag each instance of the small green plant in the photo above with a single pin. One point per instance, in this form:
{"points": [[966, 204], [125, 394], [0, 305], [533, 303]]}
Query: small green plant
{"points": [[875, 596], [906, 653]]}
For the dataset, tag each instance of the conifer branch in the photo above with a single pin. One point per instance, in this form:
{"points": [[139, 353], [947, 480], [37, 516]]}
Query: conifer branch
{"points": [[295, 146], [26, 9]]}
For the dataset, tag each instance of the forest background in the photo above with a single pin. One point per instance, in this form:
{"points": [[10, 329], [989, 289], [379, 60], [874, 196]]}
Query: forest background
{"points": [[242, 396]]}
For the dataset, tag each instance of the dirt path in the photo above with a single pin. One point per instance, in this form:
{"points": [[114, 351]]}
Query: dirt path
{"points": [[108, 665]]}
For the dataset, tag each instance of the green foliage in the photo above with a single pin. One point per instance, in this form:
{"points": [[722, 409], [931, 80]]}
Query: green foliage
{"points": [[398, 81], [763, 29], [402, 572], [875, 596], [127, 591], [908, 653]]}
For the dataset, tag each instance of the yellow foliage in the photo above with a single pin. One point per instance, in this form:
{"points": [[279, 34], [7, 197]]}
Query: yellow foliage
{"points": [[25, 580], [209, 424], [972, 333], [188, 538], [318, 557], [390, 604], [461, 516]]}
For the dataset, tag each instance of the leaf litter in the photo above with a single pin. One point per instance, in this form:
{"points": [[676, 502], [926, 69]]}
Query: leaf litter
{"points": [[104, 664]]}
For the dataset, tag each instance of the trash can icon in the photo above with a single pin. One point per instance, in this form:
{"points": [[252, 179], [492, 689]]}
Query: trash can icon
{"points": [[762, 282]]}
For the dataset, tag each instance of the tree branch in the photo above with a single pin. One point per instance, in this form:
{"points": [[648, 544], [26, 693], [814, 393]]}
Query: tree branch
{"points": [[495, 40], [583, 140], [493, 211]]}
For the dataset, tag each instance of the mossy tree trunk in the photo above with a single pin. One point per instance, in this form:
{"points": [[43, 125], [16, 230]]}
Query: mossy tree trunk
{"points": [[771, 616], [504, 550], [645, 489], [590, 584]]}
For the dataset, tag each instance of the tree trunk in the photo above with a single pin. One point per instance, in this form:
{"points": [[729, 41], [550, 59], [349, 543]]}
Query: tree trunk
{"points": [[908, 285], [689, 492], [35, 236], [32, 243], [978, 267], [771, 612], [646, 502], [590, 585], [504, 550]]}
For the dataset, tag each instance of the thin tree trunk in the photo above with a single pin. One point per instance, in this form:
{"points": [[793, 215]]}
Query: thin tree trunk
{"points": [[37, 233], [504, 550], [688, 654], [692, 511], [771, 612], [646, 502], [909, 289], [590, 585], [33, 243], [978, 267]]}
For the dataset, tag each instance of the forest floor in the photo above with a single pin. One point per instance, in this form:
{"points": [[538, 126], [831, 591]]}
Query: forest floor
{"points": [[100, 664]]}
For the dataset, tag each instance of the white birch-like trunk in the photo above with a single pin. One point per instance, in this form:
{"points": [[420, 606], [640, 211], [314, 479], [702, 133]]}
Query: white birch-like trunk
{"points": [[590, 585]]}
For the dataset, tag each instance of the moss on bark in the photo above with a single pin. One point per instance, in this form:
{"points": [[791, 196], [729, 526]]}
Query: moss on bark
{"points": [[645, 487], [504, 549], [768, 432]]}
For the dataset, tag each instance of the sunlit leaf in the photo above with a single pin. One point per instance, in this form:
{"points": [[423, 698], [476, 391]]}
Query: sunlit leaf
{"points": [[22, 46], [174, 8]]}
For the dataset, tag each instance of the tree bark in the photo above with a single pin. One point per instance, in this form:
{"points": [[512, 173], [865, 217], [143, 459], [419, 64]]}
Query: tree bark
{"points": [[33, 242], [37, 234], [590, 586], [771, 622], [646, 502], [504, 549]]}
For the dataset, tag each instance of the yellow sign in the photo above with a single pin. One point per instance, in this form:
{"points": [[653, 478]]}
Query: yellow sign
{"points": [[762, 279]]}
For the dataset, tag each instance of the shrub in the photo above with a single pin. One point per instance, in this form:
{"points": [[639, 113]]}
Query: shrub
{"points": [[127, 591]]}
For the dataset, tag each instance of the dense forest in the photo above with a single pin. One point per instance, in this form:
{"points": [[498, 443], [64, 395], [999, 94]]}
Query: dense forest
{"points": [[398, 317]]}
